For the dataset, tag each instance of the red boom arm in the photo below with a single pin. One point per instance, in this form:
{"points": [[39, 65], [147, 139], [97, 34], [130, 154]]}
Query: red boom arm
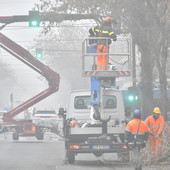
{"points": [[22, 54]]}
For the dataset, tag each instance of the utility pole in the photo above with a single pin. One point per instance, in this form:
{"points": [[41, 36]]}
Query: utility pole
{"points": [[11, 100], [133, 64]]}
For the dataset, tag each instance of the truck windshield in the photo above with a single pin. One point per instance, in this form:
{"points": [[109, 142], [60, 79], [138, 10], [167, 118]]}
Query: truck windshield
{"points": [[83, 102]]}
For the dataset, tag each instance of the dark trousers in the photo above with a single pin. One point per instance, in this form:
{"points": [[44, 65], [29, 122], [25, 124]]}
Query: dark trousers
{"points": [[137, 155]]}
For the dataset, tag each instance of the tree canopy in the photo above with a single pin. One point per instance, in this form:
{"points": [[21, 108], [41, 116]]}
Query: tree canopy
{"points": [[149, 23]]}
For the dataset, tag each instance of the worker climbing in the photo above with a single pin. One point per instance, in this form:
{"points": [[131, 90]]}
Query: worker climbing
{"points": [[105, 31]]}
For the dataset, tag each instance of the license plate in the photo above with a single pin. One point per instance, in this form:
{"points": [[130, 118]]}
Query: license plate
{"points": [[101, 147]]}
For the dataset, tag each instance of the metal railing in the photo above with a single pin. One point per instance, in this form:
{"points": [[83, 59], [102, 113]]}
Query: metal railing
{"points": [[119, 55]]}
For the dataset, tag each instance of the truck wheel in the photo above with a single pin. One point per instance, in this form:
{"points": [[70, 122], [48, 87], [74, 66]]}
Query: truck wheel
{"points": [[70, 157], [15, 136], [40, 136]]}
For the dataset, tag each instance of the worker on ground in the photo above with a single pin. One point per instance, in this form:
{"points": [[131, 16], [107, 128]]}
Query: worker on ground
{"points": [[136, 135], [104, 30], [155, 124]]}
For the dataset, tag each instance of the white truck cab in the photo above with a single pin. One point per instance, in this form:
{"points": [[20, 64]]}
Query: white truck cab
{"points": [[79, 107]]}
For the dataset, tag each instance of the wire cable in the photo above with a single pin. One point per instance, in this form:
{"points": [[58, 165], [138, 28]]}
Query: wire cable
{"points": [[118, 62]]}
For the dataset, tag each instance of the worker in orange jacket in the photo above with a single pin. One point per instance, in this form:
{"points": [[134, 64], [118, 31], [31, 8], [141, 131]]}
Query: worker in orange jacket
{"points": [[104, 30], [136, 135], [155, 124]]}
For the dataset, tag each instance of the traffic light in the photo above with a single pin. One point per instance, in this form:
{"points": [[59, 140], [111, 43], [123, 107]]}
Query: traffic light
{"points": [[132, 97], [34, 23], [39, 53], [34, 20], [133, 94]]}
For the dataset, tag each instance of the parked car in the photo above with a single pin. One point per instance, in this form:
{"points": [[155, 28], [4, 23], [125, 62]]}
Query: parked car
{"points": [[46, 118], [45, 114]]}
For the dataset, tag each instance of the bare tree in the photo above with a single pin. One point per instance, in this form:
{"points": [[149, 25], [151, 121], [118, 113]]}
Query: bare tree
{"points": [[141, 18], [162, 55]]}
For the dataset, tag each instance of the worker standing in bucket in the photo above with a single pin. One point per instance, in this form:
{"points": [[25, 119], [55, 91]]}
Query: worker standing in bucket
{"points": [[104, 30], [136, 135], [155, 124]]}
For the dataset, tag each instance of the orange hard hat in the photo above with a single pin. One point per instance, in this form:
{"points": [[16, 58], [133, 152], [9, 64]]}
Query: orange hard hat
{"points": [[156, 110], [108, 19]]}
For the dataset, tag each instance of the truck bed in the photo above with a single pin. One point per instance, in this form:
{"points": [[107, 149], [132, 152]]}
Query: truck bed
{"points": [[96, 130]]}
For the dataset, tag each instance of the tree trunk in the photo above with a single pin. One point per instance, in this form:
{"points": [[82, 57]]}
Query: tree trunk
{"points": [[162, 78], [146, 81]]}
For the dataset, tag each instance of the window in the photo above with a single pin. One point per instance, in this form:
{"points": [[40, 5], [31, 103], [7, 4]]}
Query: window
{"points": [[83, 102], [109, 102]]}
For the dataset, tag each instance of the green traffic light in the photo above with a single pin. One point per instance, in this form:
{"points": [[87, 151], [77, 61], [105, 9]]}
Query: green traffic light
{"points": [[39, 54], [34, 23], [131, 98]]}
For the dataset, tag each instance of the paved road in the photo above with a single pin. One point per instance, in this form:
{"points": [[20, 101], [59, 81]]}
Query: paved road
{"points": [[30, 154]]}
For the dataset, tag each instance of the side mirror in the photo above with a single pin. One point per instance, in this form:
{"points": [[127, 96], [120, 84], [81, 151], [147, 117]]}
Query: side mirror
{"points": [[61, 112]]}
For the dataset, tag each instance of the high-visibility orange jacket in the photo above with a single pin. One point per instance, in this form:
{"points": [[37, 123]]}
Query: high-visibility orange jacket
{"points": [[136, 131], [105, 30], [157, 125]]}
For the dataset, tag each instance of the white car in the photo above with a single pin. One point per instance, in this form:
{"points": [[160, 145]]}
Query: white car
{"points": [[46, 118], [45, 114]]}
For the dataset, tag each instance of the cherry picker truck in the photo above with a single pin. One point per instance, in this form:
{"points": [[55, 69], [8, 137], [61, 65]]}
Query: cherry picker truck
{"points": [[27, 127], [103, 102]]}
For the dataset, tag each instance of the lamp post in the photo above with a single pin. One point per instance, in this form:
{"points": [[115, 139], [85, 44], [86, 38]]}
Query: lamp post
{"points": [[11, 100]]}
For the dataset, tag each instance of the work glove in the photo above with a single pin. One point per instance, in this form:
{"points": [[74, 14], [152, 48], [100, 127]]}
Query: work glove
{"points": [[144, 144], [157, 136], [115, 38], [151, 133]]}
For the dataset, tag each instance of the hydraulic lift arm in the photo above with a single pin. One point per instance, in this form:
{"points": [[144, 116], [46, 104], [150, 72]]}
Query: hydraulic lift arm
{"points": [[23, 55]]}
